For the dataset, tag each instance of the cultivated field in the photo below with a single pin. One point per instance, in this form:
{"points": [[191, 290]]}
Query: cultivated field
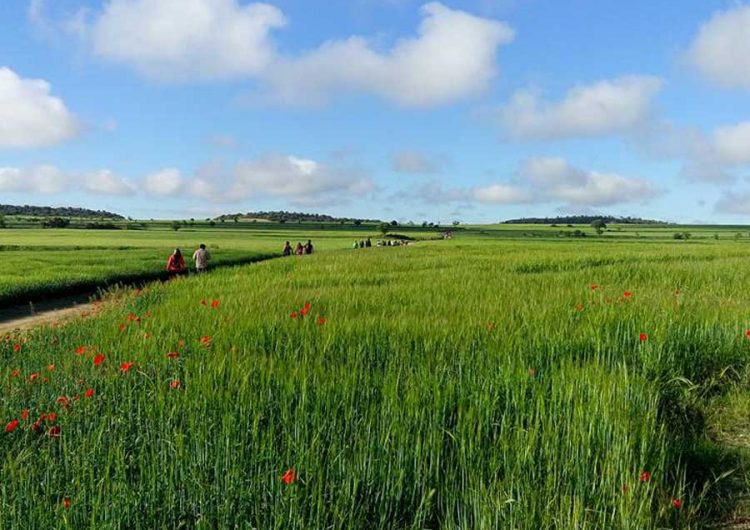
{"points": [[508, 378]]}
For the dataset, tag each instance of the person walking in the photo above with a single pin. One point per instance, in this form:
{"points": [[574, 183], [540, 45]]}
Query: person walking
{"points": [[309, 247], [287, 249], [201, 258], [176, 263]]}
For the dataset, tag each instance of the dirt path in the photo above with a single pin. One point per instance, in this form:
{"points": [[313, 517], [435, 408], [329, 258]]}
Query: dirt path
{"points": [[23, 317]]}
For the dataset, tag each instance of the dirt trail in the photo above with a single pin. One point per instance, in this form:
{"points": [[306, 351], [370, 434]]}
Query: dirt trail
{"points": [[23, 317]]}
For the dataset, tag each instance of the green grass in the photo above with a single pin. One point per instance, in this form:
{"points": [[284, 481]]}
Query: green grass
{"points": [[466, 384]]}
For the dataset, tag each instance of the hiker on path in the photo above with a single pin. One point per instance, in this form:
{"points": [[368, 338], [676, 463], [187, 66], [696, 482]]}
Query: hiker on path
{"points": [[299, 250], [176, 263], [309, 247], [201, 257], [287, 249]]}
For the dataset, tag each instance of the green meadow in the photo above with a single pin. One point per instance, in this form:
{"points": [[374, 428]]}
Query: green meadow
{"points": [[512, 377]]}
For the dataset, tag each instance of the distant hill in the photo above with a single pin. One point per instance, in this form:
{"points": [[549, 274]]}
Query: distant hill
{"points": [[293, 217], [584, 220], [49, 211]]}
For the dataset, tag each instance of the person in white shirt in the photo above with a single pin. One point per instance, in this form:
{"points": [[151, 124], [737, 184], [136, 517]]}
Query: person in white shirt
{"points": [[201, 258]]}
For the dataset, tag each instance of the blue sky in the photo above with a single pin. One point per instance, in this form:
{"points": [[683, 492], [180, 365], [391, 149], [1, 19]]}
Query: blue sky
{"points": [[471, 110]]}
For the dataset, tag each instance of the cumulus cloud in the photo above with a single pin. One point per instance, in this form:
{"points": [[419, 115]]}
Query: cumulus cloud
{"points": [[30, 116], [415, 162], [605, 107], [453, 54], [433, 192], [40, 179], [502, 194], [187, 39], [165, 183], [721, 49], [105, 182]]}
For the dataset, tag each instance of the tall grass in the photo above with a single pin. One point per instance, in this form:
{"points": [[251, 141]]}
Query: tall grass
{"points": [[450, 386]]}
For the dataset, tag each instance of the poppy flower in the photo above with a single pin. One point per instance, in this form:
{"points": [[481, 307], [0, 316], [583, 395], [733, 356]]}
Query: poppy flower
{"points": [[66, 503], [33, 377], [16, 348], [295, 315], [132, 317], [215, 304], [627, 294], [643, 337], [173, 355], [594, 287], [99, 359], [124, 367], [645, 476], [206, 341], [174, 384], [36, 426], [676, 504], [15, 373], [304, 311], [123, 327], [321, 321], [25, 414], [80, 350], [50, 367], [89, 393], [289, 477], [62, 400], [54, 431], [747, 333], [12, 426], [51, 417]]}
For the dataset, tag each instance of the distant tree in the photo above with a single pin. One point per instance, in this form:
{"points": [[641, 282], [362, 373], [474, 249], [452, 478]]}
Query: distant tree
{"points": [[55, 222], [236, 219], [678, 235], [456, 223], [176, 225], [357, 222], [212, 223], [384, 228], [2, 221], [599, 225], [394, 223]]}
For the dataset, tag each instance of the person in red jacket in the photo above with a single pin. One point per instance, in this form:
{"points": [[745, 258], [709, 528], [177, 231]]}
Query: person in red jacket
{"points": [[176, 263]]}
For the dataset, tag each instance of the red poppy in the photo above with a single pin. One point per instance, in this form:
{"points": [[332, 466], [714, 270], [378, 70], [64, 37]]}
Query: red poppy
{"points": [[12, 426], [99, 359], [50, 367], [215, 304], [54, 431], [16, 348], [676, 504], [645, 476], [33, 377], [289, 477], [206, 341], [174, 384], [173, 355], [321, 321], [124, 367], [80, 350], [594, 287], [62, 400], [132, 317], [747, 333], [643, 337], [25, 414], [89, 393], [51, 417], [627, 294], [66, 503], [294, 314], [36, 426], [15, 373], [123, 327], [304, 311]]}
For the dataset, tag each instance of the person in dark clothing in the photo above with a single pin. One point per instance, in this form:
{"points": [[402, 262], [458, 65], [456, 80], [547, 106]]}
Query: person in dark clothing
{"points": [[309, 247], [368, 243], [287, 249]]}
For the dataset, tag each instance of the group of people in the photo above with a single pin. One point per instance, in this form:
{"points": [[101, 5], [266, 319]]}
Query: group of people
{"points": [[176, 262], [300, 249], [367, 243]]}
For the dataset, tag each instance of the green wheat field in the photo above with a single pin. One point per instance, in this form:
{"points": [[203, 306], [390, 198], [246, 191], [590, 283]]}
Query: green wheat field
{"points": [[509, 378]]}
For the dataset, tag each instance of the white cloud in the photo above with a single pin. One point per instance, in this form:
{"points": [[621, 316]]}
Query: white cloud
{"points": [[732, 144], [415, 163], [453, 56], [432, 192], [40, 179], [187, 39], [167, 182], [300, 181], [30, 116], [105, 182], [502, 194], [721, 49], [606, 107]]}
